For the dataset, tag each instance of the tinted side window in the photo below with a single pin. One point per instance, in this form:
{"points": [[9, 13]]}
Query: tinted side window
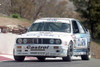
{"points": [[75, 27]]}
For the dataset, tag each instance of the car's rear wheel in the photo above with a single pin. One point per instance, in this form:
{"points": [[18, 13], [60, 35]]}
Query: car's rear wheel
{"points": [[19, 58], [41, 59], [85, 57], [88, 54], [69, 53]]}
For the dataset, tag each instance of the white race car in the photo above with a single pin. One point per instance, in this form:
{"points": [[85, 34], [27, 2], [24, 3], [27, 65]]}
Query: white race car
{"points": [[53, 37]]}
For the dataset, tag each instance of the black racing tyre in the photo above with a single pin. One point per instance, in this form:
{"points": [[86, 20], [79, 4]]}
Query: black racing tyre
{"points": [[68, 58], [85, 57], [19, 58], [88, 53], [41, 59], [69, 53]]}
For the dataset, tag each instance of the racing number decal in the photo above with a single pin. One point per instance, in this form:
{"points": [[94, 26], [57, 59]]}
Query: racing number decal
{"points": [[82, 42]]}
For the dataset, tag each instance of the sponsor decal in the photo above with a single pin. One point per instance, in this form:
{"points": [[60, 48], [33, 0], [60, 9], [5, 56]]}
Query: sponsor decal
{"points": [[36, 48], [45, 34], [81, 42], [54, 20]]}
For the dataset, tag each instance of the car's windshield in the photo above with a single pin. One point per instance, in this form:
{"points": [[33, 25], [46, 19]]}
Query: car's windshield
{"points": [[51, 26]]}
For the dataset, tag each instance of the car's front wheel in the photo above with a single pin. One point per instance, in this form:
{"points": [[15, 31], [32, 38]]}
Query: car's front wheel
{"points": [[19, 58], [87, 56], [69, 53]]}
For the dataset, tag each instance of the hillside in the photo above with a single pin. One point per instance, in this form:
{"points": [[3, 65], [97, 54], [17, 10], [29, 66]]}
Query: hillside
{"points": [[95, 50], [12, 21]]}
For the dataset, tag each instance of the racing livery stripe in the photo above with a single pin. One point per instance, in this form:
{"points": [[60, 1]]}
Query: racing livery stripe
{"points": [[2, 58], [9, 57]]}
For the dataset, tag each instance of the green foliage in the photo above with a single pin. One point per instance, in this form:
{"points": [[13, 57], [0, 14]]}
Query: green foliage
{"points": [[95, 15], [90, 10], [15, 15]]}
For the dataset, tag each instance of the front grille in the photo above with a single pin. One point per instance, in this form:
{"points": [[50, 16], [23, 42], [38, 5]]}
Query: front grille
{"points": [[38, 41]]}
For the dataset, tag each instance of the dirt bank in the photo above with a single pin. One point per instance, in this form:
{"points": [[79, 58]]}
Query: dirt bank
{"points": [[95, 48]]}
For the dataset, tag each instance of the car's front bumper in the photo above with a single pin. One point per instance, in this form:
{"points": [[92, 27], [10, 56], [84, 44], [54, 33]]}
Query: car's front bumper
{"points": [[40, 50]]}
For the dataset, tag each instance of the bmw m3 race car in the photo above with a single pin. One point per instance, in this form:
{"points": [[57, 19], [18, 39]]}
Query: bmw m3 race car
{"points": [[53, 37]]}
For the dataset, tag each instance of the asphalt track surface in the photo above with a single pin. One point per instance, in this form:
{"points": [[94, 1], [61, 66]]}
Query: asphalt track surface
{"points": [[51, 63]]}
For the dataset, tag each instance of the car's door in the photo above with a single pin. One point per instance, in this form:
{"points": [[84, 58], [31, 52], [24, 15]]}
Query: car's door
{"points": [[81, 36]]}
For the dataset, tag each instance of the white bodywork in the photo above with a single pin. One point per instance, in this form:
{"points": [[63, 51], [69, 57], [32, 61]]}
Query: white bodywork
{"points": [[52, 50]]}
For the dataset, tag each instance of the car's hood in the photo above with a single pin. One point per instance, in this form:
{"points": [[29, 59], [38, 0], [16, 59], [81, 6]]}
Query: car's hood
{"points": [[44, 35]]}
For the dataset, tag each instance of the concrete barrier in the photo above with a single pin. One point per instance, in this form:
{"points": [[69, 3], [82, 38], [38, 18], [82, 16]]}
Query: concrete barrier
{"points": [[7, 41]]}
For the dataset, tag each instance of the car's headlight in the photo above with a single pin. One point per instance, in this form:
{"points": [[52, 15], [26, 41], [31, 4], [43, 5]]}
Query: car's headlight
{"points": [[24, 41], [19, 41], [51, 41], [57, 41]]}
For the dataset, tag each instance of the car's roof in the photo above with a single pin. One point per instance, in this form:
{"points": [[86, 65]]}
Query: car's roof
{"points": [[54, 20]]}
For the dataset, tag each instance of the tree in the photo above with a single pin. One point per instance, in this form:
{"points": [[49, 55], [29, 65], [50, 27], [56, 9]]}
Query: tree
{"points": [[39, 5], [4, 7], [95, 16], [89, 10], [32, 9], [55, 8], [23, 7]]}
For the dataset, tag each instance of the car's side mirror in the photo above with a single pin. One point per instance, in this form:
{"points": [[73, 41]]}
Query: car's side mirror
{"points": [[87, 31]]}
